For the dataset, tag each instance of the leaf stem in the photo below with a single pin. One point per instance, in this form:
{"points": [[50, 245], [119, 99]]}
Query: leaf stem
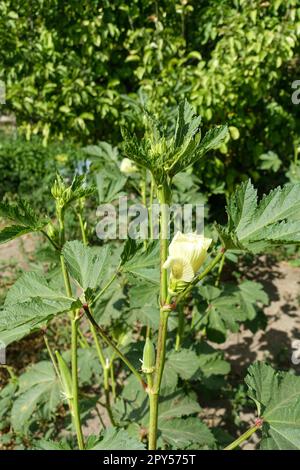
{"points": [[105, 368], [51, 355], [105, 287], [50, 240], [221, 266], [107, 339], [243, 437], [82, 228]]}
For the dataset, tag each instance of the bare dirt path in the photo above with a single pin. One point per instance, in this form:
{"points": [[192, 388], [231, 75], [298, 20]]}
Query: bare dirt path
{"points": [[274, 344]]}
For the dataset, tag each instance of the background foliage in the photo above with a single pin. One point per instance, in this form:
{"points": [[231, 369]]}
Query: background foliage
{"points": [[73, 70]]}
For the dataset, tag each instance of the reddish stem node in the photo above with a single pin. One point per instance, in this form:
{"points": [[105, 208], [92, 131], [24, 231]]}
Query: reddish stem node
{"points": [[259, 422]]}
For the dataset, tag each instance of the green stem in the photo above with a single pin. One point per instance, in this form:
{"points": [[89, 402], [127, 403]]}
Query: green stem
{"points": [[76, 413], [107, 395], [82, 340], [243, 437], [163, 322], [50, 240], [153, 417], [221, 266], [164, 225], [112, 378], [105, 287], [51, 355], [107, 339], [180, 328], [144, 195], [82, 228], [150, 208], [161, 349], [66, 277], [74, 343], [105, 368]]}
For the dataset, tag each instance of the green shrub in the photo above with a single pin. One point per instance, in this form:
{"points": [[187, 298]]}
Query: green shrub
{"points": [[27, 168]]}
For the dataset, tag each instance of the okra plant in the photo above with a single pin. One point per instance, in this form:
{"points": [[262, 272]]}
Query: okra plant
{"points": [[156, 321]]}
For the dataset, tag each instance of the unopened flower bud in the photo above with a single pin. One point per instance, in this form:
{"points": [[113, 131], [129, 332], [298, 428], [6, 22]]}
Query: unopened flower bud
{"points": [[148, 366], [58, 187]]}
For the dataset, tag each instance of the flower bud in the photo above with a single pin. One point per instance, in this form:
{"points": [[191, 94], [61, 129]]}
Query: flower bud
{"points": [[148, 366], [187, 253], [58, 187]]}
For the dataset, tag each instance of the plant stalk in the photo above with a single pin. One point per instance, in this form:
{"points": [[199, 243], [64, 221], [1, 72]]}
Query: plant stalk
{"points": [[74, 342], [163, 322], [76, 412]]}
